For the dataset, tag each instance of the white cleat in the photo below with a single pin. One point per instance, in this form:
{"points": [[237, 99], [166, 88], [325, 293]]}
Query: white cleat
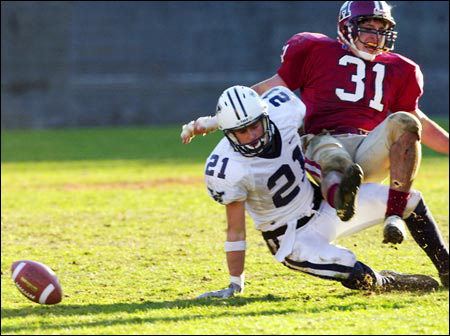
{"points": [[394, 230]]}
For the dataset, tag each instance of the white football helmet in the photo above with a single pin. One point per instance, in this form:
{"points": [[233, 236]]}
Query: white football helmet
{"points": [[237, 108]]}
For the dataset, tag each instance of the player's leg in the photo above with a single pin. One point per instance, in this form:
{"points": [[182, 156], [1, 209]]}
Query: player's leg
{"points": [[364, 277], [332, 166], [405, 156], [372, 199], [393, 146], [424, 230], [371, 206], [314, 255]]}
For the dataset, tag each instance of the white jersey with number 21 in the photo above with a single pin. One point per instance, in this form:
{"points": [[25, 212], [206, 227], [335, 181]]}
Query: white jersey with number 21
{"points": [[275, 187]]}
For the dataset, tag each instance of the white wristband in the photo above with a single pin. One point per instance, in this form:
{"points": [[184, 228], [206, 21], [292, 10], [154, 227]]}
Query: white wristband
{"points": [[240, 245]]}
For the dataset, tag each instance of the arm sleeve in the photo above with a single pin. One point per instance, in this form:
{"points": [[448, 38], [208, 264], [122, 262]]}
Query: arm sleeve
{"points": [[412, 90], [231, 188], [294, 59]]}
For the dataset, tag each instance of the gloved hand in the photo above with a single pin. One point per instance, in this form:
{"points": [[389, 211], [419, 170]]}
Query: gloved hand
{"points": [[202, 125], [224, 293]]}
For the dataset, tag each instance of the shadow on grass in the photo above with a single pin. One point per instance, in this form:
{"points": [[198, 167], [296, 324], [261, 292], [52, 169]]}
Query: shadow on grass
{"points": [[62, 310], [131, 308], [91, 309]]}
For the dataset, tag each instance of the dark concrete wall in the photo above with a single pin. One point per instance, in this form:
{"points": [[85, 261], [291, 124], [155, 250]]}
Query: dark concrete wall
{"points": [[71, 64]]}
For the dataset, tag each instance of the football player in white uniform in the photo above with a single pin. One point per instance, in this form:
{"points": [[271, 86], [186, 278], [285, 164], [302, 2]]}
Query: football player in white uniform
{"points": [[259, 167]]}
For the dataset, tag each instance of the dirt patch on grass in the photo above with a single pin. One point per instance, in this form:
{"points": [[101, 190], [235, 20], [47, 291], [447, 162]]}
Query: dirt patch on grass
{"points": [[157, 183], [134, 185]]}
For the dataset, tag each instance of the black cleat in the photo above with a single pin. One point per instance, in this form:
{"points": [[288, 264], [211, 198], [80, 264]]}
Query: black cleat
{"points": [[407, 282], [345, 197], [444, 279]]}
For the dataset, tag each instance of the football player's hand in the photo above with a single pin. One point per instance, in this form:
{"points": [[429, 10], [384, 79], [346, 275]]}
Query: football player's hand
{"points": [[202, 125], [224, 293], [187, 132]]}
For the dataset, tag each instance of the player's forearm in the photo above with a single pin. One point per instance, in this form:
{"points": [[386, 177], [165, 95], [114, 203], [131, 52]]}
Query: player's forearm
{"points": [[269, 83], [202, 125], [235, 251], [434, 136], [236, 242], [261, 87], [236, 262]]}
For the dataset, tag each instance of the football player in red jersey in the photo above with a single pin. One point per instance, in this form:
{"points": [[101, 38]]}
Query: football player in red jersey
{"points": [[362, 120]]}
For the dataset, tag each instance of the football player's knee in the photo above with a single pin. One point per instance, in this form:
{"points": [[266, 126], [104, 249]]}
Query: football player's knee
{"points": [[406, 122], [346, 258], [319, 143], [332, 156], [334, 161], [334, 254]]}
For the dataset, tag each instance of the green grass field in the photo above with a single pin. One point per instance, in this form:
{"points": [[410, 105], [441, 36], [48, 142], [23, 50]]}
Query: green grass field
{"points": [[124, 218]]}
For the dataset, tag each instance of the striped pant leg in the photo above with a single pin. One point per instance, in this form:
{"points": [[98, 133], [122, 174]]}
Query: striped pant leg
{"points": [[331, 271], [315, 255]]}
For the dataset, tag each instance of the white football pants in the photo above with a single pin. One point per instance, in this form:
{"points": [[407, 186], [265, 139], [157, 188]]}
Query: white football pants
{"points": [[313, 252]]}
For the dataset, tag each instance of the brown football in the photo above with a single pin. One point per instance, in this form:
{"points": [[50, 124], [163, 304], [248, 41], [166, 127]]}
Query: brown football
{"points": [[36, 281]]}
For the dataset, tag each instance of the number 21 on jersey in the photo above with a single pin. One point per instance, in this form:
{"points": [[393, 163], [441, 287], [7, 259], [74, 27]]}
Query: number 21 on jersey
{"points": [[358, 79]]}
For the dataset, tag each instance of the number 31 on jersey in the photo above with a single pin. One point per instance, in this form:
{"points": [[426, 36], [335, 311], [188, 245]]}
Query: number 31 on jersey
{"points": [[358, 79]]}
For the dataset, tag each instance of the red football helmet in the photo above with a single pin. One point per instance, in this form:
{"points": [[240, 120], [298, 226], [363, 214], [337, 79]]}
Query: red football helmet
{"points": [[352, 13]]}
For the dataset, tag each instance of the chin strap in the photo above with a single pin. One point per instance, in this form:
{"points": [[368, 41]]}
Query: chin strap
{"points": [[351, 45]]}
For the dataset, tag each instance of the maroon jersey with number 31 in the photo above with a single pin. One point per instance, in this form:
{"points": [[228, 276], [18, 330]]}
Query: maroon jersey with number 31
{"points": [[341, 90]]}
